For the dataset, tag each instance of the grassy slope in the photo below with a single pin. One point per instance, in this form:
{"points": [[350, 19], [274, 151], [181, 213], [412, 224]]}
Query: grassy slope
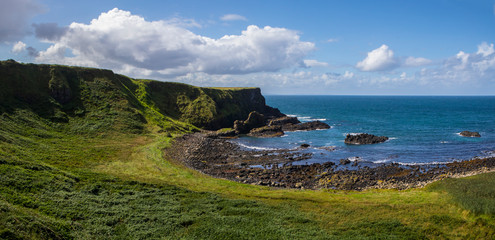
{"points": [[87, 170]]}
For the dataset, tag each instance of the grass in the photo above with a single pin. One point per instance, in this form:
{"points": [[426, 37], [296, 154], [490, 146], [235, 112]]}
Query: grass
{"points": [[94, 168]]}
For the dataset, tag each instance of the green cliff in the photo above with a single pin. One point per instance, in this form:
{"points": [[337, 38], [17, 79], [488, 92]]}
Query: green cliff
{"points": [[90, 100]]}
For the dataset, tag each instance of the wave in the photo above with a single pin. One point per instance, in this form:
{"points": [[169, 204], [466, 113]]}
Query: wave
{"points": [[256, 148], [422, 163], [306, 118], [381, 161]]}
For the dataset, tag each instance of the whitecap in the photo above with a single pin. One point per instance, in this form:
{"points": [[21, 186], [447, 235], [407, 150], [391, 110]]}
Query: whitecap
{"points": [[422, 163], [381, 161]]}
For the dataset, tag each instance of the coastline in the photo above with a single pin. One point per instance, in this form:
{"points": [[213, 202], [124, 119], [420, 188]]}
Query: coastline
{"points": [[223, 159]]}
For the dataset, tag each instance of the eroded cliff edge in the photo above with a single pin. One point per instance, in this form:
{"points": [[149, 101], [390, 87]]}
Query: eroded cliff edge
{"points": [[100, 99]]}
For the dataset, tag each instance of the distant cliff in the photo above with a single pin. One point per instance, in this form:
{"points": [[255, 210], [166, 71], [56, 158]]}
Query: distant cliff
{"points": [[89, 99]]}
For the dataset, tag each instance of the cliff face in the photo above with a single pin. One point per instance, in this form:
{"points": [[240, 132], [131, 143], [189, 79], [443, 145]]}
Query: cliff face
{"points": [[92, 99]]}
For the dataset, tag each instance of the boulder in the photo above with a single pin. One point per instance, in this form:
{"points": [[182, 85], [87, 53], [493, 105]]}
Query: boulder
{"points": [[364, 138], [254, 120], [284, 120], [344, 161], [307, 126], [304, 145], [470, 134], [267, 131]]}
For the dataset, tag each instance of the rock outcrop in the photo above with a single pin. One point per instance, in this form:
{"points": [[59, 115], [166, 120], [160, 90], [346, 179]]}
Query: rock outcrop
{"points": [[307, 126], [267, 131], [284, 120], [470, 134], [290, 124], [364, 138], [254, 120]]}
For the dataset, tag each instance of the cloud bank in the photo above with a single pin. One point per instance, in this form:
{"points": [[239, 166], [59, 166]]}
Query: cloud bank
{"points": [[131, 45]]}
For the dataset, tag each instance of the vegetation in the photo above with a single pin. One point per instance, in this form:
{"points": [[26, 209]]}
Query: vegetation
{"points": [[88, 163]]}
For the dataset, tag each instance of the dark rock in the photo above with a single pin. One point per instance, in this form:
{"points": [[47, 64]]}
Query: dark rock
{"points": [[470, 134], [364, 138], [254, 120], [229, 133], [305, 145], [267, 131], [344, 161], [307, 126], [284, 120], [328, 148]]}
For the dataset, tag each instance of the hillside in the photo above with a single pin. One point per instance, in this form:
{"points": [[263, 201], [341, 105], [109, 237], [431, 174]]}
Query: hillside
{"points": [[81, 157], [94, 99]]}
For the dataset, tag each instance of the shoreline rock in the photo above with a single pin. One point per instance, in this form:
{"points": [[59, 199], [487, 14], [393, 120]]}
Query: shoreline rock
{"points": [[224, 159], [307, 126], [364, 138], [266, 131]]}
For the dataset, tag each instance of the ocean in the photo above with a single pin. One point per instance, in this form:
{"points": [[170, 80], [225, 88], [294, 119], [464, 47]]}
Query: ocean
{"points": [[422, 129]]}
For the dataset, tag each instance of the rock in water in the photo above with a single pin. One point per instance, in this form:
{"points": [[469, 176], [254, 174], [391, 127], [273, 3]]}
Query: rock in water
{"points": [[364, 138], [284, 120], [307, 126], [470, 134], [304, 145]]}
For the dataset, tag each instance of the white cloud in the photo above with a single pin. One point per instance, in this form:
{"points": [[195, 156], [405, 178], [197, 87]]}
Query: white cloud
{"points": [[416, 62], [382, 59], [14, 15], [464, 68], [233, 17], [19, 47], [331, 40], [379, 59], [348, 74], [485, 49], [131, 45], [314, 63]]}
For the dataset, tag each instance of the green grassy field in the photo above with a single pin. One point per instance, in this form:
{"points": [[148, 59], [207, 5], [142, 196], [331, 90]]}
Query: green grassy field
{"points": [[94, 168]]}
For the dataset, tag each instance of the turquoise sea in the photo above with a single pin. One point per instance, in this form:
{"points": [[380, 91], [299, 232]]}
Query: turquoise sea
{"points": [[422, 129]]}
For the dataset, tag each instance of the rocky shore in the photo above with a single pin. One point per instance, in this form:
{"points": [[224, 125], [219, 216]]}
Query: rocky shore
{"points": [[223, 159]]}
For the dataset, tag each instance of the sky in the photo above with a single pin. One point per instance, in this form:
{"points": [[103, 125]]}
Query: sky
{"points": [[396, 47]]}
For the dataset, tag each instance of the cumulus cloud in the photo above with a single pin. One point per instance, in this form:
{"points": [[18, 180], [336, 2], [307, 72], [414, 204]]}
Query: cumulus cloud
{"points": [[49, 31], [233, 17], [464, 67], [14, 16], [382, 59], [379, 59], [131, 45], [19, 47], [484, 49]]}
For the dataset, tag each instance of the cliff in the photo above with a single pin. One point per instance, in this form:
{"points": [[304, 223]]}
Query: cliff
{"points": [[90, 100]]}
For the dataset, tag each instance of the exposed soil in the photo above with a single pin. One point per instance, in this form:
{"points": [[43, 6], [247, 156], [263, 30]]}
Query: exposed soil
{"points": [[223, 159]]}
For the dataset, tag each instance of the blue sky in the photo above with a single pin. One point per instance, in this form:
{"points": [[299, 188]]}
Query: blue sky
{"points": [[436, 47]]}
